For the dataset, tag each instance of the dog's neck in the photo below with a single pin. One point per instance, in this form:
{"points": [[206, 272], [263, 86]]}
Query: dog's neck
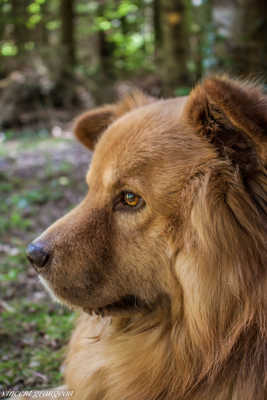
{"points": [[147, 358], [177, 370]]}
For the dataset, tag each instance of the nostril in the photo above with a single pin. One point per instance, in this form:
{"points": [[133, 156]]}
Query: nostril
{"points": [[37, 255]]}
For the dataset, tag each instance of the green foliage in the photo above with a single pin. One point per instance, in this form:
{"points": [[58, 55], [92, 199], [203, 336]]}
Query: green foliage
{"points": [[126, 24], [182, 91], [126, 30], [5, 6], [35, 13], [53, 25], [8, 49], [113, 37]]}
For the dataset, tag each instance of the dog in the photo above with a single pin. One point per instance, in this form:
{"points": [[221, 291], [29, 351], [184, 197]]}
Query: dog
{"points": [[166, 256]]}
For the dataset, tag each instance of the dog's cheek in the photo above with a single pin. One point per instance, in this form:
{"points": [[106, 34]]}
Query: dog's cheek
{"points": [[142, 261]]}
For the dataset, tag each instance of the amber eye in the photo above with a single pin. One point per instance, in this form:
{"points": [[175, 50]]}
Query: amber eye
{"points": [[131, 199]]}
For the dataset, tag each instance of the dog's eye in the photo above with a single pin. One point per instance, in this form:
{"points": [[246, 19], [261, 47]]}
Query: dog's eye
{"points": [[129, 200]]}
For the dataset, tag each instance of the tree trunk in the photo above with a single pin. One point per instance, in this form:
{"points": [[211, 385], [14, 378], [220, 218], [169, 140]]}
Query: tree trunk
{"points": [[202, 37], [44, 30], [19, 15], [105, 48], [249, 38], [67, 36], [175, 44], [157, 26]]}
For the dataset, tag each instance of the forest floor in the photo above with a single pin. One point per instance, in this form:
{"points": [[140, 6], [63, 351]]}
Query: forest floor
{"points": [[41, 178]]}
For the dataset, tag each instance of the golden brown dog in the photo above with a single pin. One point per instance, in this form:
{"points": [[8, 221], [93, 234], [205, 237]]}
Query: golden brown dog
{"points": [[166, 256]]}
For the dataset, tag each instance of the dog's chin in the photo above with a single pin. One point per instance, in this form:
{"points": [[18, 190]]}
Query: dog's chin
{"points": [[48, 288], [54, 295], [126, 305]]}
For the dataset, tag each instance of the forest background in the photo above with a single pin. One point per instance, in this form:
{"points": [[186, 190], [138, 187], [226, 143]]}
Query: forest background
{"points": [[57, 59]]}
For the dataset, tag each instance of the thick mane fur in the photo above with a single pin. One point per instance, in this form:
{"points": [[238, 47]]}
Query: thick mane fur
{"points": [[226, 316], [199, 353]]}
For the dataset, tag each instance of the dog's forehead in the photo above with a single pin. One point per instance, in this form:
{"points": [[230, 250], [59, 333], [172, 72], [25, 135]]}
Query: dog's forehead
{"points": [[134, 141]]}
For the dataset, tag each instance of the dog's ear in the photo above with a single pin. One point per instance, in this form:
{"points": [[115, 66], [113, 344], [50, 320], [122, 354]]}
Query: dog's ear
{"points": [[90, 125], [233, 116]]}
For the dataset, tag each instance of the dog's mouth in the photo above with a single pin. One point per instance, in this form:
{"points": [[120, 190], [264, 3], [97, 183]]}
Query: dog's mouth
{"points": [[125, 305], [129, 303]]}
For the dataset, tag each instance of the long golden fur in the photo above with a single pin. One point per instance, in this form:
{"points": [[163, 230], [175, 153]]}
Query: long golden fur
{"points": [[193, 258]]}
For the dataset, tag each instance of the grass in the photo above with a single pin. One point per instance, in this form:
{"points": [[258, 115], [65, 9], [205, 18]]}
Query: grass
{"points": [[23, 202], [32, 342], [37, 185]]}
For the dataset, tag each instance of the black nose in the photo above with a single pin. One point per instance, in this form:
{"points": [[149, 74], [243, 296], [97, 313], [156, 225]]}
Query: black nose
{"points": [[37, 255]]}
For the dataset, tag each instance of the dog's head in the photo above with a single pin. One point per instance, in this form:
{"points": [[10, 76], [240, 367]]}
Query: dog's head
{"points": [[175, 211]]}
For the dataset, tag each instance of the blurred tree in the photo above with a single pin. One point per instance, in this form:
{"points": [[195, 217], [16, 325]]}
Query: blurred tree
{"points": [[175, 44], [204, 36], [43, 24], [201, 37], [126, 35], [2, 19], [249, 38], [172, 43], [106, 46], [157, 27], [19, 16], [67, 37]]}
